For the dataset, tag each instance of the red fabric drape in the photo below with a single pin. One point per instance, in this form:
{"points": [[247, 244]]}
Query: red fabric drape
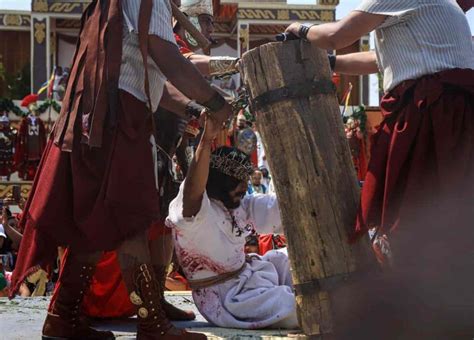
{"points": [[91, 199], [108, 295], [267, 242], [423, 152]]}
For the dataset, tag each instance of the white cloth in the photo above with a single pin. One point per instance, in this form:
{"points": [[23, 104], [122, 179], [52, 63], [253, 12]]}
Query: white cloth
{"points": [[2, 231], [420, 37], [262, 161], [210, 244], [132, 71]]}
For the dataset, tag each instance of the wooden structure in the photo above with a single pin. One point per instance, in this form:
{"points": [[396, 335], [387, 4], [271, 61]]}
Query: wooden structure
{"points": [[302, 130], [48, 23], [45, 36], [249, 21], [6, 188]]}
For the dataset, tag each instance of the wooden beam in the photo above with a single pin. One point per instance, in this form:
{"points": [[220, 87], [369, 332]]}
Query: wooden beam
{"points": [[311, 165]]}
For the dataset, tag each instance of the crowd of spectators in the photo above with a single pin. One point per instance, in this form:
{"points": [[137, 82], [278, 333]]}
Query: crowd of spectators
{"points": [[39, 283]]}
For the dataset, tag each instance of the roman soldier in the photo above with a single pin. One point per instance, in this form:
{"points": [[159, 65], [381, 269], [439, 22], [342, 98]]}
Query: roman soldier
{"points": [[176, 129], [98, 203], [7, 143], [201, 14], [31, 140]]}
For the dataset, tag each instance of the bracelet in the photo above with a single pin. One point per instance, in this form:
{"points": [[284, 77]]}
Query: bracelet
{"points": [[332, 61], [304, 30], [216, 103], [193, 109]]}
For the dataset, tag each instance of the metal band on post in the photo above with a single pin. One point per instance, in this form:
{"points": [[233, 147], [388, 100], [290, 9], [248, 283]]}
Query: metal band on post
{"points": [[299, 90]]}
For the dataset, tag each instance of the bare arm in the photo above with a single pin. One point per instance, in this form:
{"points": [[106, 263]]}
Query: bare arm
{"points": [[14, 235], [201, 62], [340, 34], [196, 180], [357, 63], [173, 100], [183, 74]]}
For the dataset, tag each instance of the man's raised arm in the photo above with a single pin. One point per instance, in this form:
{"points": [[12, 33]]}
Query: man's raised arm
{"points": [[196, 180]]}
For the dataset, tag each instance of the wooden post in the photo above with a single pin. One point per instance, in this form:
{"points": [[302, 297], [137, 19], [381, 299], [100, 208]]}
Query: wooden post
{"points": [[312, 168]]}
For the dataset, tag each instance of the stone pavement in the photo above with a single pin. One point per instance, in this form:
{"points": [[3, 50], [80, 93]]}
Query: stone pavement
{"points": [[23, 319]]}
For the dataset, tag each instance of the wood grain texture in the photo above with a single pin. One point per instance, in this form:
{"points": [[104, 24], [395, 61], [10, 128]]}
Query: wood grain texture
{"points": [[311, 164]]}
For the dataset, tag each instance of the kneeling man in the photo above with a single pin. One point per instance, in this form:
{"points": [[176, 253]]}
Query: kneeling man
{"points": [[211, 217]]}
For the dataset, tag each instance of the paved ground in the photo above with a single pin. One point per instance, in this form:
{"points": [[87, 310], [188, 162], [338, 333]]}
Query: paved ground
{"points": [[23, 319]]}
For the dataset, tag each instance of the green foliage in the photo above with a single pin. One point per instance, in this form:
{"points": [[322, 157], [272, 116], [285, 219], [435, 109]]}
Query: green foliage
{"points": [[18, 85], [47, 104], [8, 105]]}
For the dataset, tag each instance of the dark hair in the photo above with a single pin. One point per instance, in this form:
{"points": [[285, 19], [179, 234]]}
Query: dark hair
{"points": [[264, 172], [219, 185]]}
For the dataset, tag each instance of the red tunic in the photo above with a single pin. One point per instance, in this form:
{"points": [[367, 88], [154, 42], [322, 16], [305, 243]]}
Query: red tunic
{"points": [[30, 145]]}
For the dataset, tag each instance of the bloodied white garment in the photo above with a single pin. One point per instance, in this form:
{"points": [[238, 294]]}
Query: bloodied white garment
{"points": [[212, 243]]}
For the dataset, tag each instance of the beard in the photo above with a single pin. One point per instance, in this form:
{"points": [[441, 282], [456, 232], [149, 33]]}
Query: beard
{"points": [[225, 189], [228, 202]]}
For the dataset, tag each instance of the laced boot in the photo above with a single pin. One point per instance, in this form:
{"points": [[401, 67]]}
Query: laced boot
{"points": [[64, 320], [173, 313], [152, 321]]}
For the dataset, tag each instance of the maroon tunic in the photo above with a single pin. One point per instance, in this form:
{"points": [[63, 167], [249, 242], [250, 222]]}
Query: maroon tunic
{"points": [[91, 198], [419, 190], [422, 152]]}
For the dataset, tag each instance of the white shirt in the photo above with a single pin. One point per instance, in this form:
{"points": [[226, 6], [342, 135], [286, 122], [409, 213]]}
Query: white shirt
{"points": [[209, 244], [420, 37], [132, 72]]}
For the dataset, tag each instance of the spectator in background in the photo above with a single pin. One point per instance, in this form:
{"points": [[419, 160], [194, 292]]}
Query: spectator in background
{"points": [[238, 124], [255, 185], [3, 285], [36, 284], [267, 180], [12, 237], [5, 242], [262, 243], [262, 158]]}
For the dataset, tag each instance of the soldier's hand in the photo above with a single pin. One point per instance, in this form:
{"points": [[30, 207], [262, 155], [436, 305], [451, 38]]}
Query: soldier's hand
{"points": [[294, 28], [223, 114]]}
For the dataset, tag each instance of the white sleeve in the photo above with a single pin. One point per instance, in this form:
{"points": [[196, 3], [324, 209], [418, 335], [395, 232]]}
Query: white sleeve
{"points": [[177, 220], [397, 11], [264, 212], [160, 23]]}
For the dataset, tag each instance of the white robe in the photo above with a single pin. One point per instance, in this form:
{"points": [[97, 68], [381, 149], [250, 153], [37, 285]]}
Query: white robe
{"points": [[209, 244]]}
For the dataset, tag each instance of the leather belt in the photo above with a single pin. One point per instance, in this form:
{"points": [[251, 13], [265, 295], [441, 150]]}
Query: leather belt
{"points": [[218, 279]]}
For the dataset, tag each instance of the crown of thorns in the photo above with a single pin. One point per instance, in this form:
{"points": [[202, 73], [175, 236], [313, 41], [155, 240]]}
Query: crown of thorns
{"points": [[231, 162]]}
